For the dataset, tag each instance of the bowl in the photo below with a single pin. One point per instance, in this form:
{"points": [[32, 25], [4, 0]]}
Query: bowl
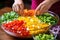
{"points": [[55, 30], [28, 33], [44, 36], [55, 15]]}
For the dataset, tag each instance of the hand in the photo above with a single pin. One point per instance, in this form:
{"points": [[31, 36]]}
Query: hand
{"points": [[44, 7], [18, 5]]}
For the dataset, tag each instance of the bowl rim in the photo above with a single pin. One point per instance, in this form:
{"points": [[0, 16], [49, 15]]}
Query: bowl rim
{"points": [[44, 33], [53, 13]]}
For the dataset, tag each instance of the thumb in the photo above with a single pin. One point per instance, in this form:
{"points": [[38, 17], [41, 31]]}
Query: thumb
{"points": [[37, 12]]}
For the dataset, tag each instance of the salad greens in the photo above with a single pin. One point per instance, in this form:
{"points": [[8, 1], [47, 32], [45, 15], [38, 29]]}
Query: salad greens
{"points": [[44, 37], [9, 16], [47, 18]]}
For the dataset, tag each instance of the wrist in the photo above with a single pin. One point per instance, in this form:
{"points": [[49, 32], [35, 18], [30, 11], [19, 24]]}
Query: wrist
{"points": [[18, 1], [52, 1]]}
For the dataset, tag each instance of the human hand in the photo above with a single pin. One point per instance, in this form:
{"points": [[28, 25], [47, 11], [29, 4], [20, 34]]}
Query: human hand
{"points": [[18, 6], [44, 6]]}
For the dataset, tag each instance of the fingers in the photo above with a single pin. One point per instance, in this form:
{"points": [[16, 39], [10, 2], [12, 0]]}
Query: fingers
{"points": [[42, 8], [21, 6], [17, 7], [38, 10]]}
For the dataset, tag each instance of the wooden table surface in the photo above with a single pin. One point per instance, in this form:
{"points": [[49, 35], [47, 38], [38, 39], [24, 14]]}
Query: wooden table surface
{"points": [[3, 35]]}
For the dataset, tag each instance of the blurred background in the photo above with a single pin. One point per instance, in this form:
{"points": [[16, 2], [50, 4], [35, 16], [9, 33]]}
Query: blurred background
{"points": [[9, 3]]}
